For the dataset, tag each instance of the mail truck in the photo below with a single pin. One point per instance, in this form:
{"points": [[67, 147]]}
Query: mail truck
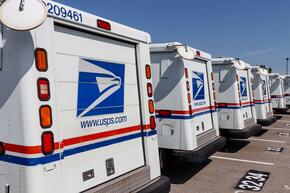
{"points": [[262, 96], [77, 107], [234, 96], [186, 117], [277, 93]]}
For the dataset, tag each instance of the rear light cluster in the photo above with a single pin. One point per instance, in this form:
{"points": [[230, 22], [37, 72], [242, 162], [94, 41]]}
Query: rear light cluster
{"points": [[2, 149], [45, 112], [150, 95], [213, 89], [188, 91]]}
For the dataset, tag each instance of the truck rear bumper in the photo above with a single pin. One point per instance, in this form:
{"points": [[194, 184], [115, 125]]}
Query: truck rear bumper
{"points": [[200, 155], [162, 185], [241, 134], [268, 121], [280, 110]]}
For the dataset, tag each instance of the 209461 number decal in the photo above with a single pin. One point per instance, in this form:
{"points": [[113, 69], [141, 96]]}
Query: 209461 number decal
{"points": [[65, 13], [253, 181]]}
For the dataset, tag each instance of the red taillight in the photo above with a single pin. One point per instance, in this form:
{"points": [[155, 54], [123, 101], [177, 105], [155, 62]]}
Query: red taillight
{"points": [[151, 106], [190, 109], [213, 88], [104, 25], [237, 77], [187, 86], [43, 89], [214, 96], [189, 98], [2, 149], [212, 78], [186, 72], [152, 123], [41, 60], [47, 141], [45, 117], [165, 113], [148, 71], [149, 90], [198, 53]]}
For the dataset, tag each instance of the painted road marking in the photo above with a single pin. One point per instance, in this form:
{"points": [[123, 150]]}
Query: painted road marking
{"points": [[242, 160], [266, 140], [253, 181], [276, 128]]}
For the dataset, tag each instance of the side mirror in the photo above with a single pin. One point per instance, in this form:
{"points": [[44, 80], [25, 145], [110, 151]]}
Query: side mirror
{"points": [[185, 52], [23, 15]]}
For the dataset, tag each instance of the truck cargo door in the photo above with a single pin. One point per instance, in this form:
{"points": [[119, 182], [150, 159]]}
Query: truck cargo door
{"points": [[201, 105], [98, 111]]}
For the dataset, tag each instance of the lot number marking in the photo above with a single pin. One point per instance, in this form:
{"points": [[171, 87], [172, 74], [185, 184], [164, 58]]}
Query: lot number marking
{"points": [[283, 134], [253, 181], [275, 149]]}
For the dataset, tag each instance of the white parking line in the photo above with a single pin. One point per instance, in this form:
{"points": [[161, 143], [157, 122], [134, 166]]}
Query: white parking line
{"points": [[276, 128], [285, 121], [243, 160], [266, 140]]}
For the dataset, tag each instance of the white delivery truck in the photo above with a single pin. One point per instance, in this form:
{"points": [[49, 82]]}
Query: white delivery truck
{"points": [[234, 96], [186, 118], [262, 96], [277, 92], [76, 107], [287, 89]]}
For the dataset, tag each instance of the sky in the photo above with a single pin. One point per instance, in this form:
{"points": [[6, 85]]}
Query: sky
{"points": [[257, 31]]}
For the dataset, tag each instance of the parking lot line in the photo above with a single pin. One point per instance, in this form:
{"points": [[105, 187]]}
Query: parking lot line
{"points": [[242, 160], [277, 128], [266, 140]]}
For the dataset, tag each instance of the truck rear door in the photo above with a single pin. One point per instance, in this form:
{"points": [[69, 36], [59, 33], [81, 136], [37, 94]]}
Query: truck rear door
{"points": [[245, 93], [266, 95], [200, 101], [98, 111]]}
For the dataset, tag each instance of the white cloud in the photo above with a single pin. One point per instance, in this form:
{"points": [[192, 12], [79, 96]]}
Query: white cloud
{"points": [[259, 52]]}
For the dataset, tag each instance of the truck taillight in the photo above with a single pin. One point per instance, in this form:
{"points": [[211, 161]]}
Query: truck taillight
{"points": [[214, 96], [213, 86], [104, 25], [43, 89], [190, 109], [47, 140], [165, 113], [152, 123], [149, 90], [41, 60], [148, 71], [198, 53], [2, 149], [212, 76], [45, 116], [151, 106], [186, 72], [187, 86], [189, 98]]}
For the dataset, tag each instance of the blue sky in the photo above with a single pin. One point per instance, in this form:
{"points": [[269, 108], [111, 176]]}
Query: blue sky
{"points": [[257, 31]]}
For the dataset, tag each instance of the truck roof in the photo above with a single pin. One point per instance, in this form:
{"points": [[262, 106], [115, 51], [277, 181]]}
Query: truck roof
{"points": [[90, 21], [170, 46], [276, 75], [239, 64], [260, 70]]}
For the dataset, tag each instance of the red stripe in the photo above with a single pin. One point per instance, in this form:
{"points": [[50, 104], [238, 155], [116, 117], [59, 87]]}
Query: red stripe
{"points": [[234, 104], [38, 149], [180, 112]]}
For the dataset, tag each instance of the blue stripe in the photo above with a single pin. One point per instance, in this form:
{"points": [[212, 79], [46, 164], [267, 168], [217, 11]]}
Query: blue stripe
{"points": [[233, 107], [185, 117], [56, 157]]}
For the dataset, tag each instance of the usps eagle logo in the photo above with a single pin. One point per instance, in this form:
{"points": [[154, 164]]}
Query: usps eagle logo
{"points": [[243, 86], [100, 88], [198, 86]]}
